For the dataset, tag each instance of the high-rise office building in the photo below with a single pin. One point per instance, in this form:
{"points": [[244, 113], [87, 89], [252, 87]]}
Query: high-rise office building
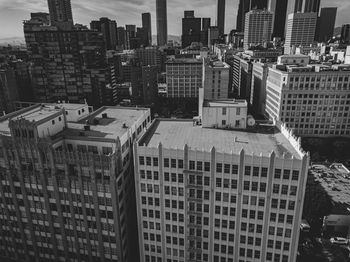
{"points": [[325, 24], [162, 22], [150, 84], [301, 29], [310, 99], [258, 28], [191, 29], [66, 65], [208, 194], [345, 33], [244, 7], [303, 6], [66, 183], [147, 25], [123, 38], [279, 9], [206, 23], [220, 15], [108, 28], [61, 14], [184, 77], [131, 29]]}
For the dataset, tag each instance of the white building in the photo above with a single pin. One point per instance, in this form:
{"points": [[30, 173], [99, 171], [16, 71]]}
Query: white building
{"points": [[300, 31], [313, 100], [258, 27], [230, 114], [206, 194], [66, 187]]}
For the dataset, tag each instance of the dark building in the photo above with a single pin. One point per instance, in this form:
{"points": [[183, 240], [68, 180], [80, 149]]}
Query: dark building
{"points": [[82, 74], [191, 29], [244, 7], [23, 79], [131, 29], [147, 25], [206, 23], [108, 28], [345, 33], [61, 14], [8, 90], [150, 84], [123, 38], [162, 22], [325, 24], [220, 15], [279, 8], [42, 17]]}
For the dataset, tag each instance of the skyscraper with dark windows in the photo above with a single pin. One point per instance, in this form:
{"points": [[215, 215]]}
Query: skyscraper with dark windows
{"points": [[61, 14], [147, 25], [162, 22], [220, 15], [345, 33], [244, 7], [108, 28], [279, 9], [191, 29], [325, 24]]}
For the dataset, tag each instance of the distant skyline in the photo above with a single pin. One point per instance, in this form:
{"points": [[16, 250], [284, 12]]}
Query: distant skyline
{"points": [[13, 12]]}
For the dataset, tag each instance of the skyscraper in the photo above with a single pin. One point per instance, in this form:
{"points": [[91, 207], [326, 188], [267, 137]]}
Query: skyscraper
{"points": [[61, 14], [220, 15], [108, 28], [258, 27], [345, 33], [279, 9], [147, 25], [191, 29], [300, 30], [244, 7], [325, 24], [206, 22], [162, 22]]}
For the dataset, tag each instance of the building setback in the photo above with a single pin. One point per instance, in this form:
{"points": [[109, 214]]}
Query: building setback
{"points": [[66, 183], [206, 194], [313, 100]]}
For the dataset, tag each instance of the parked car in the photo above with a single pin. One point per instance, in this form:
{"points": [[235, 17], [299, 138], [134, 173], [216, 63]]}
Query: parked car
{"points": [[339, 241]]}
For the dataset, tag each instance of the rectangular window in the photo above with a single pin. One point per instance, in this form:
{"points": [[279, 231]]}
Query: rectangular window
{"points": [[224, 109], [166, 162]]}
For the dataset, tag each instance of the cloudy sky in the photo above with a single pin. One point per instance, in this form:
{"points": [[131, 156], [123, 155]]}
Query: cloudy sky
{"points": [[13, 12]]}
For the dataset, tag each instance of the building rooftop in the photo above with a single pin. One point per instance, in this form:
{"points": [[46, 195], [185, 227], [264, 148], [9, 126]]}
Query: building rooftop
{"points": [[114, 125], [225, 103], [177, 133], [184, 61], [336, 184], [106, 122]]}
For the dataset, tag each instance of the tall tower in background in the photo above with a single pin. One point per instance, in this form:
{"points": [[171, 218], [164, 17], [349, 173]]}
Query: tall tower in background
{"points": [[326, 23], [162, 22], [220, 16], [244, 7], [300, 31], [303, 6], [61, 14], [279, 9], [147, 25]]}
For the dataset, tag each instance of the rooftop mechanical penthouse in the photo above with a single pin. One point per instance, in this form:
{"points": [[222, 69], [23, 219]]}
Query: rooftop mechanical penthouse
{"points": [[209, 194], [66, 189]]}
